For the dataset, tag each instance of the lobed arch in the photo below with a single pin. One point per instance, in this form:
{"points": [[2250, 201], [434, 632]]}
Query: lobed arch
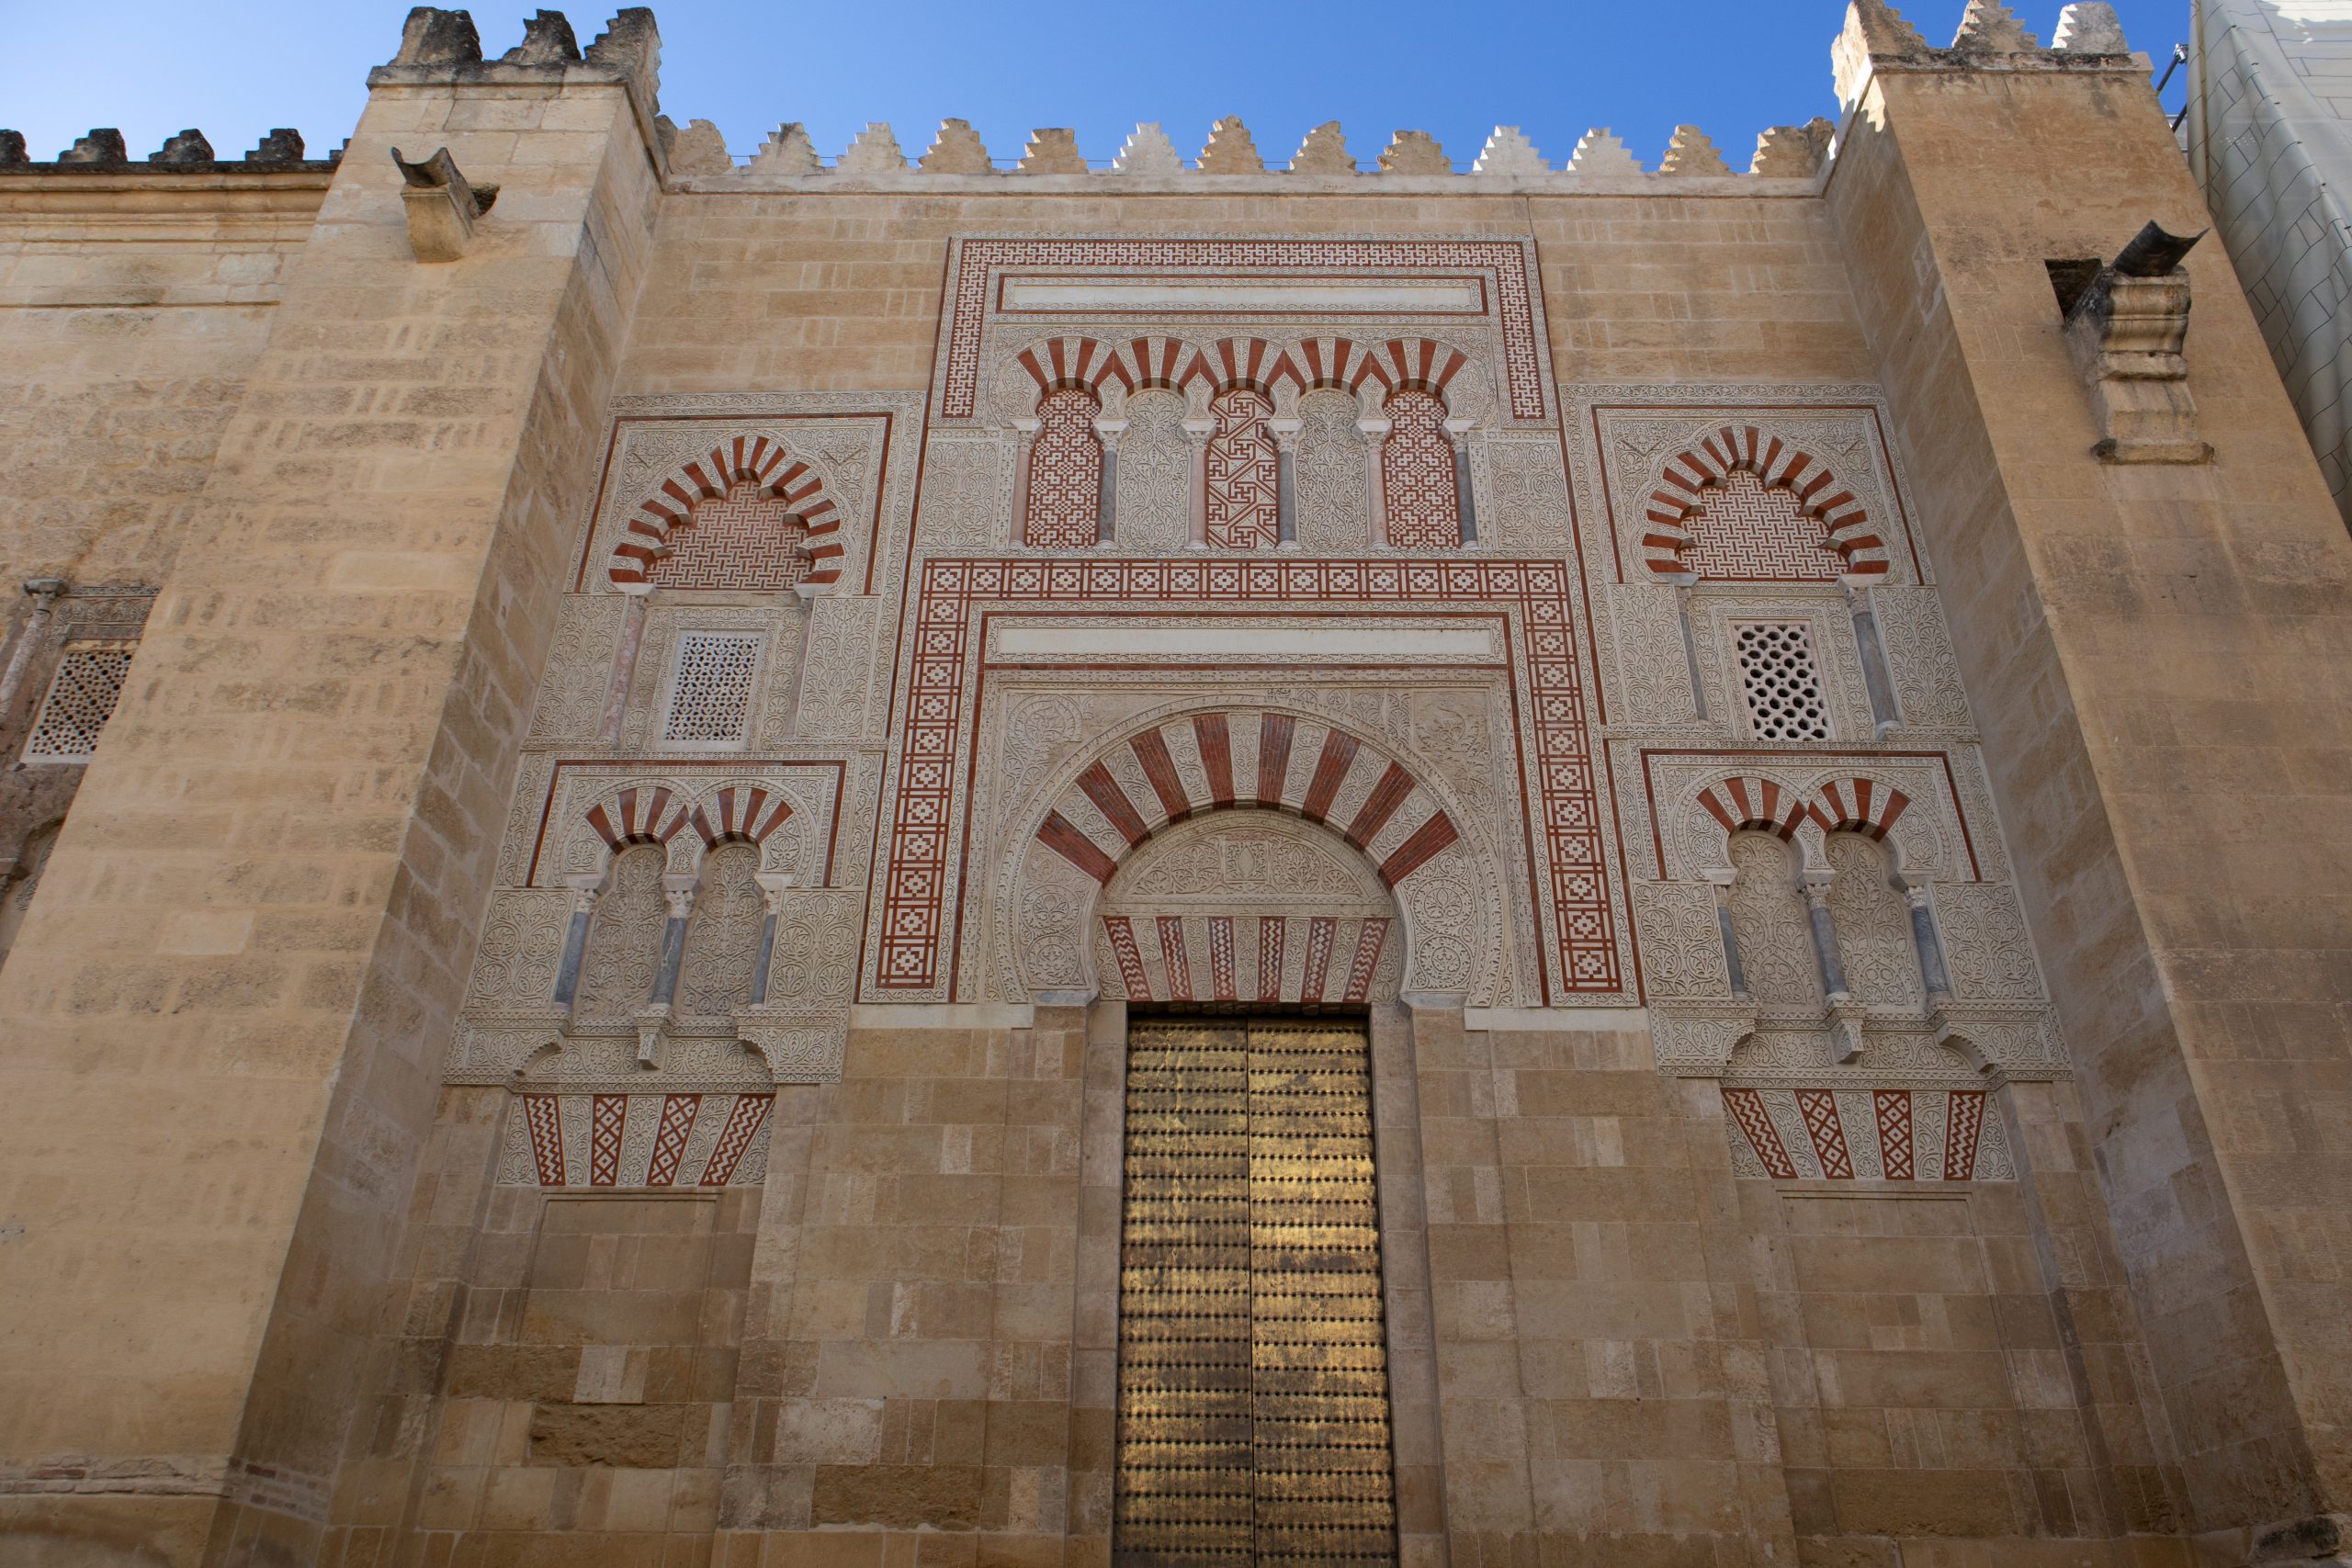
{"points": [[1272, 365], [1803, 812], [1369, 802], [1158, 363], [1417, 364], [1059, 363], [743, 459], [1255, 363], [688, 825], [1846, 524]]}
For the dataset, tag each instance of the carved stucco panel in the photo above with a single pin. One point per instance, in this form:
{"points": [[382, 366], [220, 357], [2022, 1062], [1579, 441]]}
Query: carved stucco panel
{"points": [[815, 964], [1461, 908], [722, 935], [667, 619], [837, 676], [1682, 949], [1522, 496], [1920, 658], [1718, 612], [1635, 444], [1653, 687], [1986, 944], [522, 943], [967, 492], [1873, 926], [1154, 503], [1767, 912], [1333, 511], [579, 670]]}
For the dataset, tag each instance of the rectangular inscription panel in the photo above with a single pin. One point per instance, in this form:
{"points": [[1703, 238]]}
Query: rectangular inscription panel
{"points": [[1225, 296], [1253, 1383]]}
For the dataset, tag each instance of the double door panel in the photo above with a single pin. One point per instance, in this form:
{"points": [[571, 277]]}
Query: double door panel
{"points": [[1254, 1382]]}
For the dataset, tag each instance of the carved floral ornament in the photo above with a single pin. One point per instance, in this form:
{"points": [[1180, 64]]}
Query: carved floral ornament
{"points": [[1341, 799]]}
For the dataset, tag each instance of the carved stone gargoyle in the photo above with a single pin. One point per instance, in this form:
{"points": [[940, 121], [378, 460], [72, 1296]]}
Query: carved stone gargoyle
{"points": [[442, 206], [2127, 322]]}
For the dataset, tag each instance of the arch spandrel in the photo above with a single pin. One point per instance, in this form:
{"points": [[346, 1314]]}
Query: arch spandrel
{"points": [[1360, 804]]}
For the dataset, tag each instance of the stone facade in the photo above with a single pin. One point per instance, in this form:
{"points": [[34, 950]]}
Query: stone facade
{"points": [[664, 757]]}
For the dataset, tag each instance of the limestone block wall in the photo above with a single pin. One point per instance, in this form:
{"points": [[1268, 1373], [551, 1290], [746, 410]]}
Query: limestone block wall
{"points": [[2140, 646], [309, 769], [132, 306]]}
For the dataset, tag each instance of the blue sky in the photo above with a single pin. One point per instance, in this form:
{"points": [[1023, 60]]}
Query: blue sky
{"points": [[1552, 67]]}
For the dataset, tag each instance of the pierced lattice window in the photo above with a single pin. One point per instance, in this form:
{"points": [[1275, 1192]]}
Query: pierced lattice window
{"points": [[81, 699], [710, 695], [1782, 680]]}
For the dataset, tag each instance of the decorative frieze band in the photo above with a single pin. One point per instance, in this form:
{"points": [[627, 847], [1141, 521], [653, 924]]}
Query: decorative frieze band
{"points": [[1866, 1134], [636, 1140]]}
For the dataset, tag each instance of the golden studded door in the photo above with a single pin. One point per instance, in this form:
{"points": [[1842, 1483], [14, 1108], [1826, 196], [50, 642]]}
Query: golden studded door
{"points": [[1254, 1372]]}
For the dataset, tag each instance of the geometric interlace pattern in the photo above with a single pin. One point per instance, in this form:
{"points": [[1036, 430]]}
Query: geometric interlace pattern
{"points": [[711, 700], [1065, 474], [1417, 475], [745, 541], [1743, 532], [1244, 473], [1781, 680], [81, 699]]}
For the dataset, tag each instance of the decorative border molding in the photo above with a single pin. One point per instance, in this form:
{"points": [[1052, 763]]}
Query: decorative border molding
{"points": [[1507, 263], [920, 888]]}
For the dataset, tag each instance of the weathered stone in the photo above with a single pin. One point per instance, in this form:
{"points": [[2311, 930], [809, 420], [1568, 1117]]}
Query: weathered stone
{"points": [[1691, 152], [1053, 151], [1415, 152], [188, 147], [956, 150], [1509, 152], [280, 146], [1325, 151], [433, 37], [103, 148], [1231, 150], [547, 39]]}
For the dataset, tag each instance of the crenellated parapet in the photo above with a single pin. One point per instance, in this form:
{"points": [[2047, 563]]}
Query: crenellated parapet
{"points": [[1876, 38], [438, 46], [441, 45], [103, 151], [698, 155]]}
